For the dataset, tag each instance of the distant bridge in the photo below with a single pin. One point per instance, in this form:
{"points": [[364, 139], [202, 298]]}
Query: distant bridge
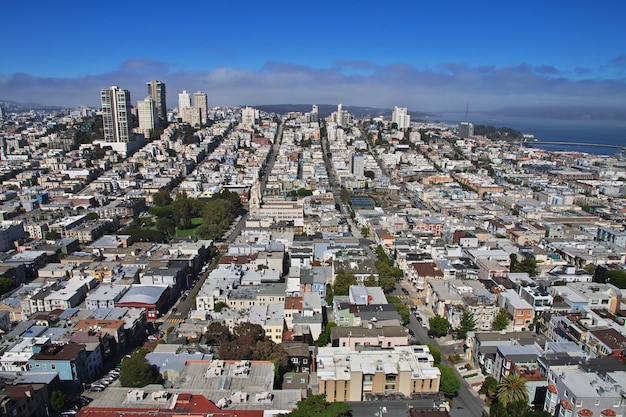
{"points": [[599, 145]]}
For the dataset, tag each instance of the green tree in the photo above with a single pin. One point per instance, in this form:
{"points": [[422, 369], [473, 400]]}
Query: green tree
{"points": [[512, 389], [58, 400], [439, 325], [137, 372], [370, 281], [489, 387], [52, 235], [6, 285], [219, 306], [467, 324], [449, 384], [93, 216], [434, 350], [217, 333], [365, 231], [324, 338], [528, 265], [401, 308], [162, 198], [343, 281], [317, 406], [501, 321], [616, 277]]}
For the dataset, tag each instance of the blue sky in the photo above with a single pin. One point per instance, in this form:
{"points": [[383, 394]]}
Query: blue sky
{"points": [[428, 56]]}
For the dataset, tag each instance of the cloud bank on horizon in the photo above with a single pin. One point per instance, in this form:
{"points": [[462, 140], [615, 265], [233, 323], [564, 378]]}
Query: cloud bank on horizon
{"points": [[445, 87]]}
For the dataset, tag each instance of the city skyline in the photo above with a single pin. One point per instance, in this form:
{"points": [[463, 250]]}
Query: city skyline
{"points": [[426, 57]]}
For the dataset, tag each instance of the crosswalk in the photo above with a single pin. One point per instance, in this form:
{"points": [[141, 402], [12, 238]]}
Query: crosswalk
{"points": [[174, 320]]}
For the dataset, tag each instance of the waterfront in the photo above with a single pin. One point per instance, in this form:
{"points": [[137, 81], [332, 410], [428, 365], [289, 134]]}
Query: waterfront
{"points": [[609, 132]]}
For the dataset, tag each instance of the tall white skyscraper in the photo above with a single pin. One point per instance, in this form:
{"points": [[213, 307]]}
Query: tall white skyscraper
{"points": [[116, 115], [340, 114], [148, 115], [401, 117], [200, 103], [184, 101]]}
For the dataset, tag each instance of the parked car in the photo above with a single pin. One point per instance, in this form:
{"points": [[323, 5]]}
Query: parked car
{"points": [[405, 291], [97, 388]]}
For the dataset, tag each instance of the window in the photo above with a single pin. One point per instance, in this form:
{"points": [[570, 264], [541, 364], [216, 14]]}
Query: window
{"points": [[53, 366], [616, 403], [578, 402]]}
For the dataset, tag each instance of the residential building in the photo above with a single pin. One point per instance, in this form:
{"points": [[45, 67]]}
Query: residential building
{"points": [[576, 392], [116, 115], [156, 91], [201, 104], [147, 114], [347, 375]]}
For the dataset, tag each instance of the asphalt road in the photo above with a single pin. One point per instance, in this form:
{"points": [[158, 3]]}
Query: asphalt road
{"points": [[465, 399]]}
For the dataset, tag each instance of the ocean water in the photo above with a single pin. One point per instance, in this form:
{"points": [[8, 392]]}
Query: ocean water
{"points": [[608, 132]]}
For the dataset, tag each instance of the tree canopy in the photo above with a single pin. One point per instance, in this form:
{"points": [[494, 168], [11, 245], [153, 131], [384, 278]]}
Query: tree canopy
{"points": [[528, 264], [317, 406], [512, 389], [434, 350], [58, 400], [343, 281], [450, 383], [616, 277], [501, 321], [137, 372], [439, 326], [467, 324]]}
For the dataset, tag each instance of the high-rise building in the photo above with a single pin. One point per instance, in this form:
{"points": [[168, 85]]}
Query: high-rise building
{"points": [[200, 102], [400, 116], [340, 114], [116, 115], [466, 129], [357, 164], [249, 116], [184, 101], [148, 115], [156, 91]]}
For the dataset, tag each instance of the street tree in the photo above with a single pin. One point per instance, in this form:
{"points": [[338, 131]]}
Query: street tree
{"points": [[449, 383], [439, 326]]}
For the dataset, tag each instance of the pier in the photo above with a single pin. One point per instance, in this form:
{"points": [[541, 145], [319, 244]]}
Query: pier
{"points": [[599, 145]]}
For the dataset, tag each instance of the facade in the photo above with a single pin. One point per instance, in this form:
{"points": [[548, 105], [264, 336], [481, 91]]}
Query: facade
{"points": [[156, 91], [147, 113], [116, 115], [466, 129], [184, 101], [201, 105], [357, 164], [346, 375], [574, 393], [401, 117]]}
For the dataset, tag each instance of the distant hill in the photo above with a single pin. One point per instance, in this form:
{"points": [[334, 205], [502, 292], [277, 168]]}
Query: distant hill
{"points": [[326, 109], [13, 106]]}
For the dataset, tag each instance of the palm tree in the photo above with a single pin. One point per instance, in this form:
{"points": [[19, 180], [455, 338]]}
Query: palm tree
{"points": [[512, 389]]}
